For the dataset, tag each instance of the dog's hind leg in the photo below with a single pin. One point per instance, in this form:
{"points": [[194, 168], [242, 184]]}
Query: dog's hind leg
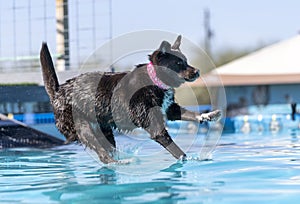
{"points": [[90, 135]]}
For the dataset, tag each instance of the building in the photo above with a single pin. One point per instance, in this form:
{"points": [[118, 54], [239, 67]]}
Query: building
{"points": [[270, 75]]}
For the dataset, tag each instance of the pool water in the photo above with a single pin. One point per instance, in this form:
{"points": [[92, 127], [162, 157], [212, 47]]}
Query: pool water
{"points": [[245, 168]]}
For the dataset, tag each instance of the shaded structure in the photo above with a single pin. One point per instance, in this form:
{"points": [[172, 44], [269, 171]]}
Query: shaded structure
{"points": [[14, 134], [275, 64], [270, 75]]}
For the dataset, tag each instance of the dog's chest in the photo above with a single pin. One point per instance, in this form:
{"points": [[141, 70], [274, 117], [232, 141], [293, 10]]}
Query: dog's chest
{"points": [[167, 100]]}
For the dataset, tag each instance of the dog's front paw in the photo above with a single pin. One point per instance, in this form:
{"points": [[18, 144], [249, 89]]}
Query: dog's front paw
{"points": [[215, 115], [211, 116]]}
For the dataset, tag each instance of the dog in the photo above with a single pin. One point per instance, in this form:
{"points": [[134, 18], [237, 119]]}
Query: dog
{"points": [[89, 107]]}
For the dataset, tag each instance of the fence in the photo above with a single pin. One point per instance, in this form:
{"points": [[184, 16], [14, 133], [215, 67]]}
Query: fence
{"points": [[25, 24]]}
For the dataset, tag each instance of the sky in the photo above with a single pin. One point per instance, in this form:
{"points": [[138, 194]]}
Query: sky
{"points": [[236, 24]]}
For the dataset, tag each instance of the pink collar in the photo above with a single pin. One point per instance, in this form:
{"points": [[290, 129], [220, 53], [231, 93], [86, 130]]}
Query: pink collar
{"points": [[152, 74]]}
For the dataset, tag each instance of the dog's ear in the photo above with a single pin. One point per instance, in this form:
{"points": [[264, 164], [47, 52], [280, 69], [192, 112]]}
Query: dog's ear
{"points": [[165, 47], [177, 43]]}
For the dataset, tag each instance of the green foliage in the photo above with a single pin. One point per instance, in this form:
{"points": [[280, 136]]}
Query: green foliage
{"points": [[229, 54], [20, 84]]}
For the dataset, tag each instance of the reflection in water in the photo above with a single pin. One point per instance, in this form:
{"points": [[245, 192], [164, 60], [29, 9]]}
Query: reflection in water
{"points": [[107, 176], [115, 187]]}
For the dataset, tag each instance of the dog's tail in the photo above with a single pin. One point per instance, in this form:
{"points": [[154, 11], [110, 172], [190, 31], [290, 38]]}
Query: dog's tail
{"points": [[49, 75]]}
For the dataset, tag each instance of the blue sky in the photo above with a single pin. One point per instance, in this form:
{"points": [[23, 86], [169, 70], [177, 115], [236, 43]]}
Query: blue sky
{"points": [[236, 23]]}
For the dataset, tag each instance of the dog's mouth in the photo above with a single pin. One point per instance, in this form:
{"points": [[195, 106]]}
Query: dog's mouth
{"points": [[191, 75], [175, 79], [191, 79]]}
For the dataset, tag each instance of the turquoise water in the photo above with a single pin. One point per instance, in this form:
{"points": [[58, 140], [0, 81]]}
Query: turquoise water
{"points": [[245, 168]]}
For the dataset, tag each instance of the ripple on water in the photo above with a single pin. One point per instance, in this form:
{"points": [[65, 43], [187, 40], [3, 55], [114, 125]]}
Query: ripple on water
{"points": [[250, 169]]}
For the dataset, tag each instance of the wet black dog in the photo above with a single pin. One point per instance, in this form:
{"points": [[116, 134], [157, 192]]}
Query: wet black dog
{"points": [[87, 108]]}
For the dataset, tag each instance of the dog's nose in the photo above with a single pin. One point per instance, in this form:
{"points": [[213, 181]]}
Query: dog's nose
{"points": [[194, 71], [192, 74], [197, 73]]}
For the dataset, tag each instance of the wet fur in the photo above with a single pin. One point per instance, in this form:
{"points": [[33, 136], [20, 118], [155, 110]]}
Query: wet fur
{"points": [[88, 107]]}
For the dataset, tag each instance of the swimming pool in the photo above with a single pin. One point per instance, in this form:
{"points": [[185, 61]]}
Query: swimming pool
{"points": [[245, 168]]}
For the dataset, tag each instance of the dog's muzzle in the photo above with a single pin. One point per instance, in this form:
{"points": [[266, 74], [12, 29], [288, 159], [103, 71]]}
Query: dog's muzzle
{"points": [[191, 74]]}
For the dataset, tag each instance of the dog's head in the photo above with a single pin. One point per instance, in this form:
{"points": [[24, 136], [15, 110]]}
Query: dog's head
{"points": [[171, 65]]}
